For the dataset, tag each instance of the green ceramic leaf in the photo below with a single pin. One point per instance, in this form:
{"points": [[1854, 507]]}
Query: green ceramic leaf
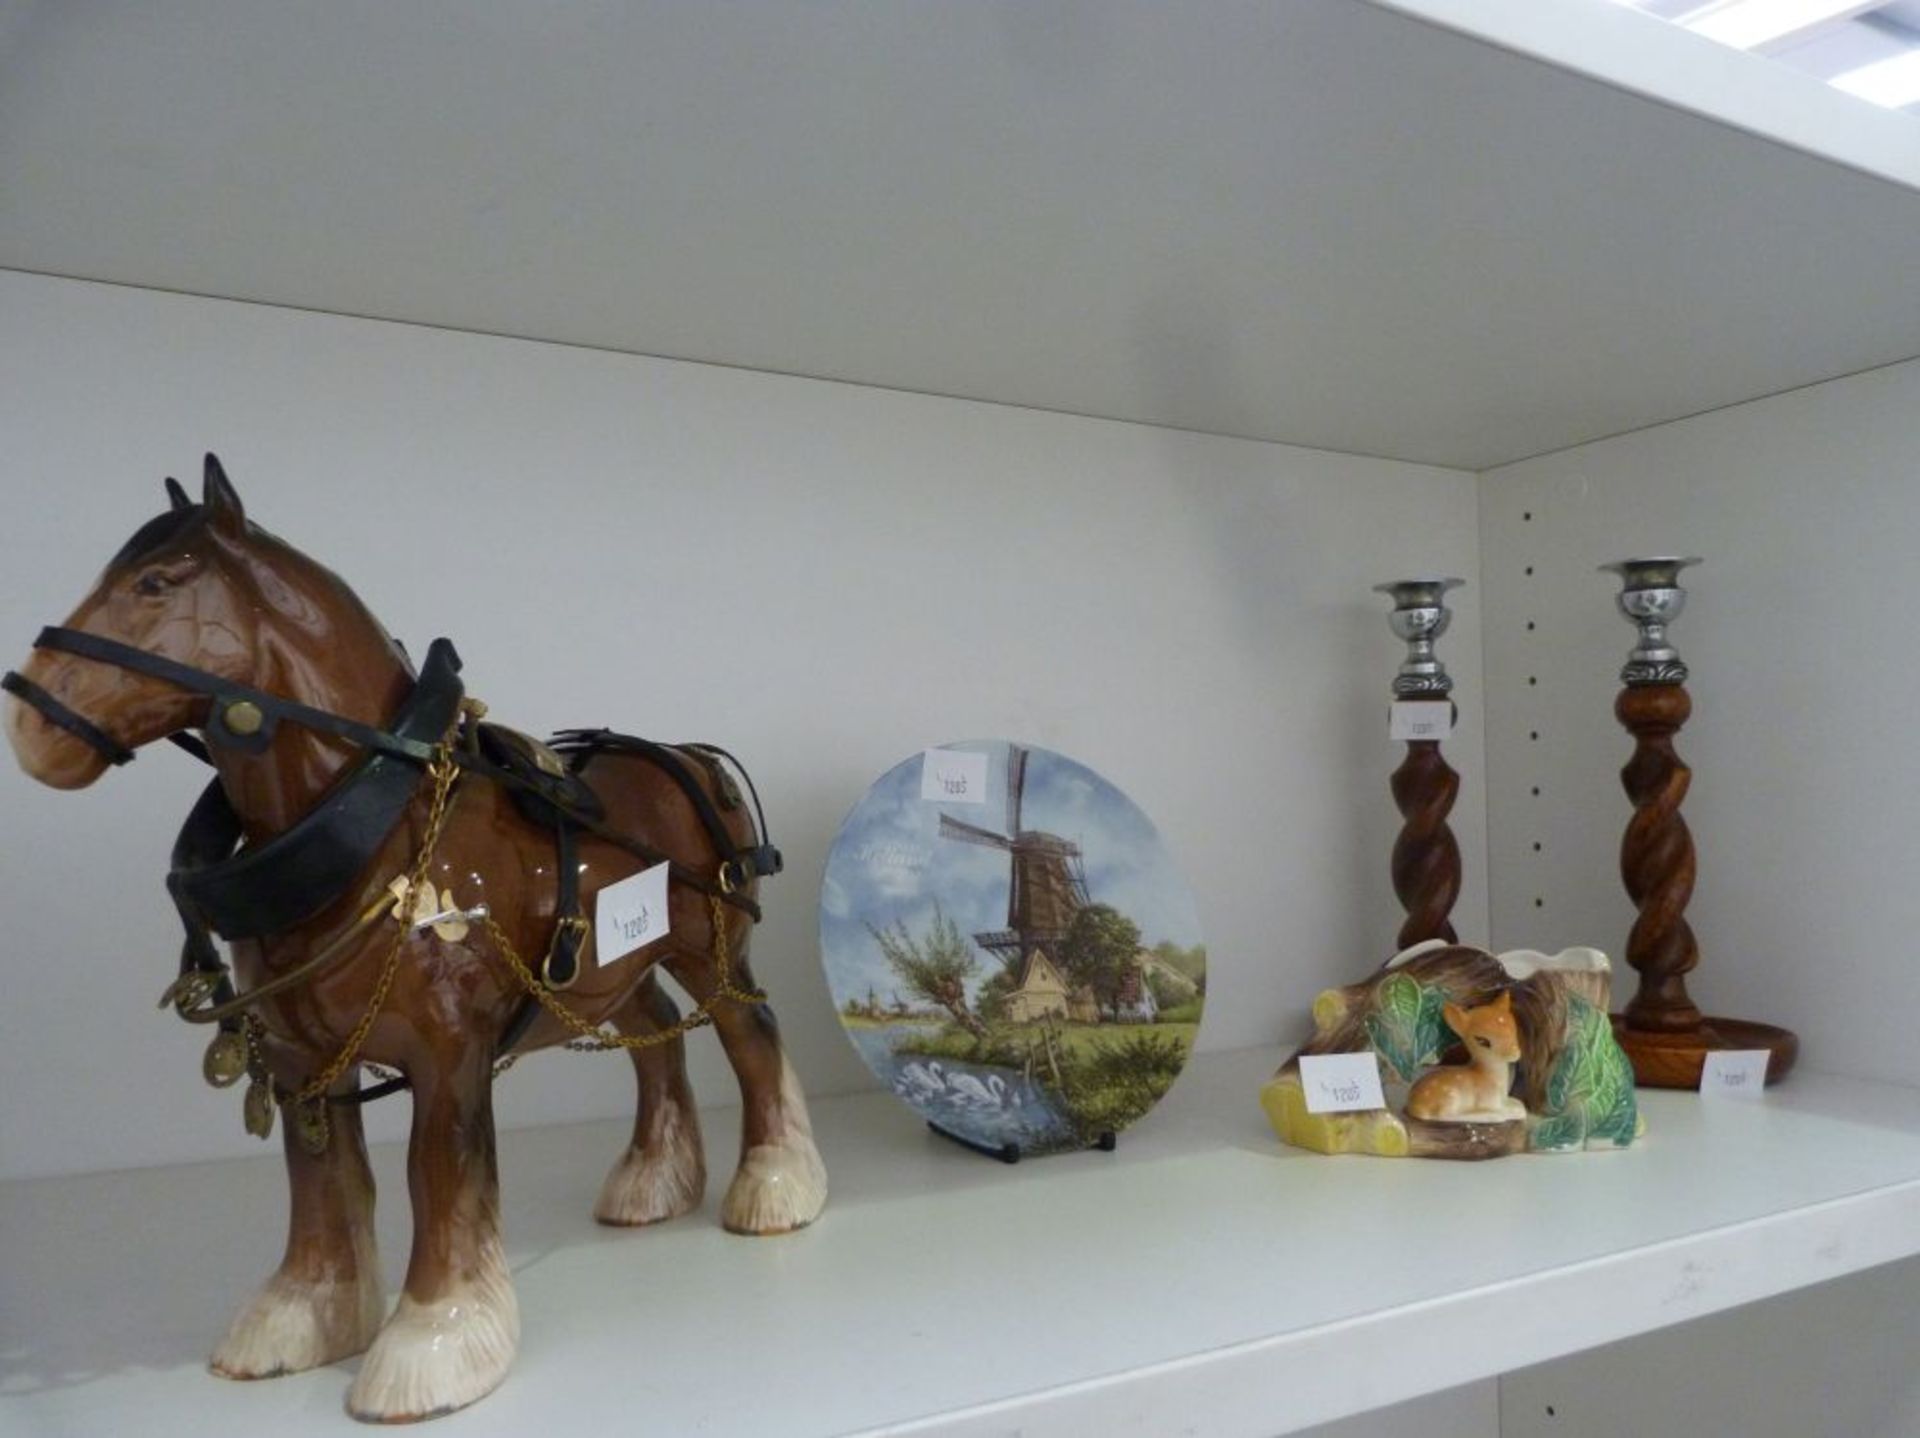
{"points": [[1561, 1083], [1619, 1120], [1398, 1001], [1394, 1024], [1431, 1033], [1591, 1084], [1558, 1135]]}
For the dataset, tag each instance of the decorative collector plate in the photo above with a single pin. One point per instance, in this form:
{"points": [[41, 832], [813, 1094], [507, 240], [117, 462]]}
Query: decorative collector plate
{"points": [[1010, 948]]}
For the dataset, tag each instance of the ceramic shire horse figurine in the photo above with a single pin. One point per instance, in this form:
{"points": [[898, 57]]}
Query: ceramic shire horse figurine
{"points": [[388, 887]]}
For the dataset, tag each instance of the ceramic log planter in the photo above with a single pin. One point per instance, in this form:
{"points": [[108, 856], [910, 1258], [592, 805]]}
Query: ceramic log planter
{"points": [[1451, 1026]]}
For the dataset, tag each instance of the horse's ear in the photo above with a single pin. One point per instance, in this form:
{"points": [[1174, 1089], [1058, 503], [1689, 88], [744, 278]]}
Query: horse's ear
{"points": [[221, 500], [177, 495]]}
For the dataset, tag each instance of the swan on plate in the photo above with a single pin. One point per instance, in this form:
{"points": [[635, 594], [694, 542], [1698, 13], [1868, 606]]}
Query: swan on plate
{"points": [[967, 1090], [921, 1080]]}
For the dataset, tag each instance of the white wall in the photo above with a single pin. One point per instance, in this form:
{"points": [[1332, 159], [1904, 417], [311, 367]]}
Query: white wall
{"points": [[1835, 1359], [1469, 1412], [1215, 591], [822, 577], [1807, 509]]}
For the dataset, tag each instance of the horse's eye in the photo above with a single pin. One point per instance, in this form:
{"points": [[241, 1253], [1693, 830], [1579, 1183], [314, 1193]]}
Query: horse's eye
{"points": [[160, 579], [1484, 1043]]}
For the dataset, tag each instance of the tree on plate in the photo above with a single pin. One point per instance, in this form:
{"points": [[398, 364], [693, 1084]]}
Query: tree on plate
{"points": [[935, 966], [991, 1002], [1100, 951]]}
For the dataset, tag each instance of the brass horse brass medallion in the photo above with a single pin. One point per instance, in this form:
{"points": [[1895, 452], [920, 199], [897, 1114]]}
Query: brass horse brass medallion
{"points": [[257, 1110], [225, 1061], [310, 1125], [244, 717]]}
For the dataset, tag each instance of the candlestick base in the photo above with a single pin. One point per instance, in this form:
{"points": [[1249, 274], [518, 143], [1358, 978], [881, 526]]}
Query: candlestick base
{"points": [[1675, 1060]]}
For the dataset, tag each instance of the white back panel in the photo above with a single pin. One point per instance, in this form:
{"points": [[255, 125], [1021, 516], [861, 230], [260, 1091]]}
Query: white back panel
{"points": [[1806, 509], [827, 577]]}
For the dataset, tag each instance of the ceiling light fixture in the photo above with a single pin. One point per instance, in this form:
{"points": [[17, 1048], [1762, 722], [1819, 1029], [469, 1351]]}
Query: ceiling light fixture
{"points": [[1892, 83], [1750, 24]]}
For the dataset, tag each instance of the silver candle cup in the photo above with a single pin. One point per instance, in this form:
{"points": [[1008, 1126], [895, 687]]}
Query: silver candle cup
{"points": [[1651, 596], [1420, 616]]}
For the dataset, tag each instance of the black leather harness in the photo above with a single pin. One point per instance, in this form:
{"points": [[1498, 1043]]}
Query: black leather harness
{"points": [[268, 888], [221, 886]]}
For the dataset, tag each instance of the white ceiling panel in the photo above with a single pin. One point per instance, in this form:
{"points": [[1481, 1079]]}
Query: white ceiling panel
{"points": [[1322, 221]]}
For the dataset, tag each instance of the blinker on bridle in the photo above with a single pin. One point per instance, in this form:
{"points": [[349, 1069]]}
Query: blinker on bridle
{"points": [[242, 717]]}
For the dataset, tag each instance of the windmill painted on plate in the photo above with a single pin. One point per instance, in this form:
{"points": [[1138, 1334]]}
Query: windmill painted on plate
{"points": [[1048, 887], [1059, 1022]]}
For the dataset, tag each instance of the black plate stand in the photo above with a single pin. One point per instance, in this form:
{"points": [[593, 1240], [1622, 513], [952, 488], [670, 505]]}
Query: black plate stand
{"points": [[1010, 1152]]}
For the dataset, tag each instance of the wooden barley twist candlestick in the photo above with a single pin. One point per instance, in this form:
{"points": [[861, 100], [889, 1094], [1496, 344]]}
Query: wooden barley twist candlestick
{"points": [[1426, 857], [1662, 1030], [1656, 859]]}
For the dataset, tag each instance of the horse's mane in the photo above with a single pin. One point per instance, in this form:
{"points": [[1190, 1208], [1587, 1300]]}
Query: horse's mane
{"points": [[282, 585], [157, 531]]}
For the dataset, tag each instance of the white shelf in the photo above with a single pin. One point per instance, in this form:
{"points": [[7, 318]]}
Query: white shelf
{"points": [[1201, 1280], [1451, 231]]}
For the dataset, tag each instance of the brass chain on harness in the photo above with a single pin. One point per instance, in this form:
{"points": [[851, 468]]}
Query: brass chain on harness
{"points": [[307, 1105], [592, 1038]]}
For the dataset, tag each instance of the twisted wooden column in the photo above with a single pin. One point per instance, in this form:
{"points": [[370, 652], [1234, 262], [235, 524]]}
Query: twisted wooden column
{"points": [[1663, 1031], [1426, 857], [1426, 860], [1656, 860]]}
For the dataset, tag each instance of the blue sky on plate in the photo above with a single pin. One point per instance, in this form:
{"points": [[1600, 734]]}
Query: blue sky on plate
{"points": [[889, 863]]}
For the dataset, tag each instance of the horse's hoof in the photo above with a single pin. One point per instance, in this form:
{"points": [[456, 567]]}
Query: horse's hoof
{"points": [[434, 1357], [290, 1326], [643, 1188], [779, 1187]]}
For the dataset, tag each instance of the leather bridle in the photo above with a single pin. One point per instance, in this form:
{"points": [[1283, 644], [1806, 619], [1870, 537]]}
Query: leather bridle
{"points": [[242, 717]]}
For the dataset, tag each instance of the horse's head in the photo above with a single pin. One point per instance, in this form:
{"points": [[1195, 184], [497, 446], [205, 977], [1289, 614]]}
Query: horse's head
{"points": [[184, 588]]}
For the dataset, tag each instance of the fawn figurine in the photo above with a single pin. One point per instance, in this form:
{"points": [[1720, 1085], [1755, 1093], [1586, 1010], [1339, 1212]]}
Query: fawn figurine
{"points": [[1477, 1090]]}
